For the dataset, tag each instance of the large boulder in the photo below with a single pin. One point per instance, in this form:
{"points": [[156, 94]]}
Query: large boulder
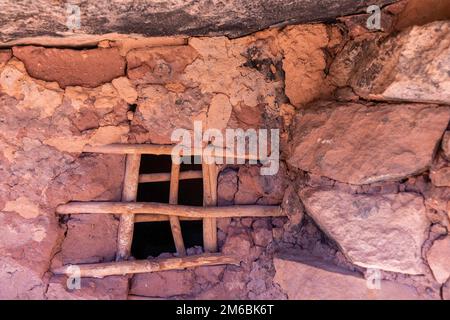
{"points": [[412, 66], [310, 278], [363, 143], [374, 231], [232, 18]]}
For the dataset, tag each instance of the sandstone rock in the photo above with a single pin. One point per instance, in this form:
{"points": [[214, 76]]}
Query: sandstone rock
{"points": [[26, 248], [412, 66], [159, 65], [439, 259], [32, 96], [234, 68], [440, 172], [374, 231], [237, 243], [24, 207], [310, 278], [446, 145], [304, 61], [162, 284], [420, 12], [87, 68], [362, 144], [210, 274], [293, 207], [109, 288], [446, 291], [5, 55], [219, 112], [227, 187], [231, 18], [96, 234], [125, 89], [159, 112], [255, 188], [262, 236]]}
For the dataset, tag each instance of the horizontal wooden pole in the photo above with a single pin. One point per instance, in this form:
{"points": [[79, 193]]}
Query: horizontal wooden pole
{"points": [[100, 270], [165, 176], [169, 209], [124, 148], [159, 217]]}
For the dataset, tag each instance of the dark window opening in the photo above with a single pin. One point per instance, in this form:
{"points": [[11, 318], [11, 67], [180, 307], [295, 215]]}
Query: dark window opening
{"points": [[154, 238]]}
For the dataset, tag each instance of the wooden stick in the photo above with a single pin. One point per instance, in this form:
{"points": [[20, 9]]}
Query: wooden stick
{"points": [[124, 148], [159, 217], [151, 208], [174, 221], [209, 199], [100, 270], [129, 193], [165, 176]]}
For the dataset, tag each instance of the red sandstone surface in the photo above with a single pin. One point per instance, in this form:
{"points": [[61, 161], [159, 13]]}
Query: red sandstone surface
{"points": [[364, 177]]}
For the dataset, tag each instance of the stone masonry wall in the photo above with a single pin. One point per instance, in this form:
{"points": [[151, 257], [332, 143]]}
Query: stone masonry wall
{"points": [[364, 175]]}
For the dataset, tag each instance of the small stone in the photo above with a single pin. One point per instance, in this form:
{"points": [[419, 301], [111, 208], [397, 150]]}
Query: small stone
{"points": [[262, 237], [163, 284], [439, 259]]}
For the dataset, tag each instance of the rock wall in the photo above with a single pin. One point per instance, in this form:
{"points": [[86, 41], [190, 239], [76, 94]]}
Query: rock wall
{"points": [[364, 175]]}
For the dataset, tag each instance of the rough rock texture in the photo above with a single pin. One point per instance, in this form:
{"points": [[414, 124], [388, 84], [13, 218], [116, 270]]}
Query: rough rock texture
{"points": [[305, 61], [390, 229], [163, 284], [316, 279], [109, 288], [446, 291], [420, 12], [438, 258], [446, 145], [388, 69], [96, 234], [362, 144], [36, 177], [381, 219], [231, 18], [87, 68]]}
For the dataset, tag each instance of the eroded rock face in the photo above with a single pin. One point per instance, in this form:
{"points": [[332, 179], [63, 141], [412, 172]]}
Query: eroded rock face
{"points": [[39, 123], [232, 18], [392, 71], [316, 279], [390, 229], [163, 284], [362, 144], [439, 259], [87, 68]]}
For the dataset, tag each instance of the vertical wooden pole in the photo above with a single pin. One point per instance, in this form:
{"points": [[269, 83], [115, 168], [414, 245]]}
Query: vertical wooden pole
{"points": [[129, 194], [209, 199], [173, 199]]}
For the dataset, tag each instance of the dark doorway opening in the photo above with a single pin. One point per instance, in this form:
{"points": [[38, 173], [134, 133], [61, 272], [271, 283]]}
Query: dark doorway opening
{"points": [[154, 238]]}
